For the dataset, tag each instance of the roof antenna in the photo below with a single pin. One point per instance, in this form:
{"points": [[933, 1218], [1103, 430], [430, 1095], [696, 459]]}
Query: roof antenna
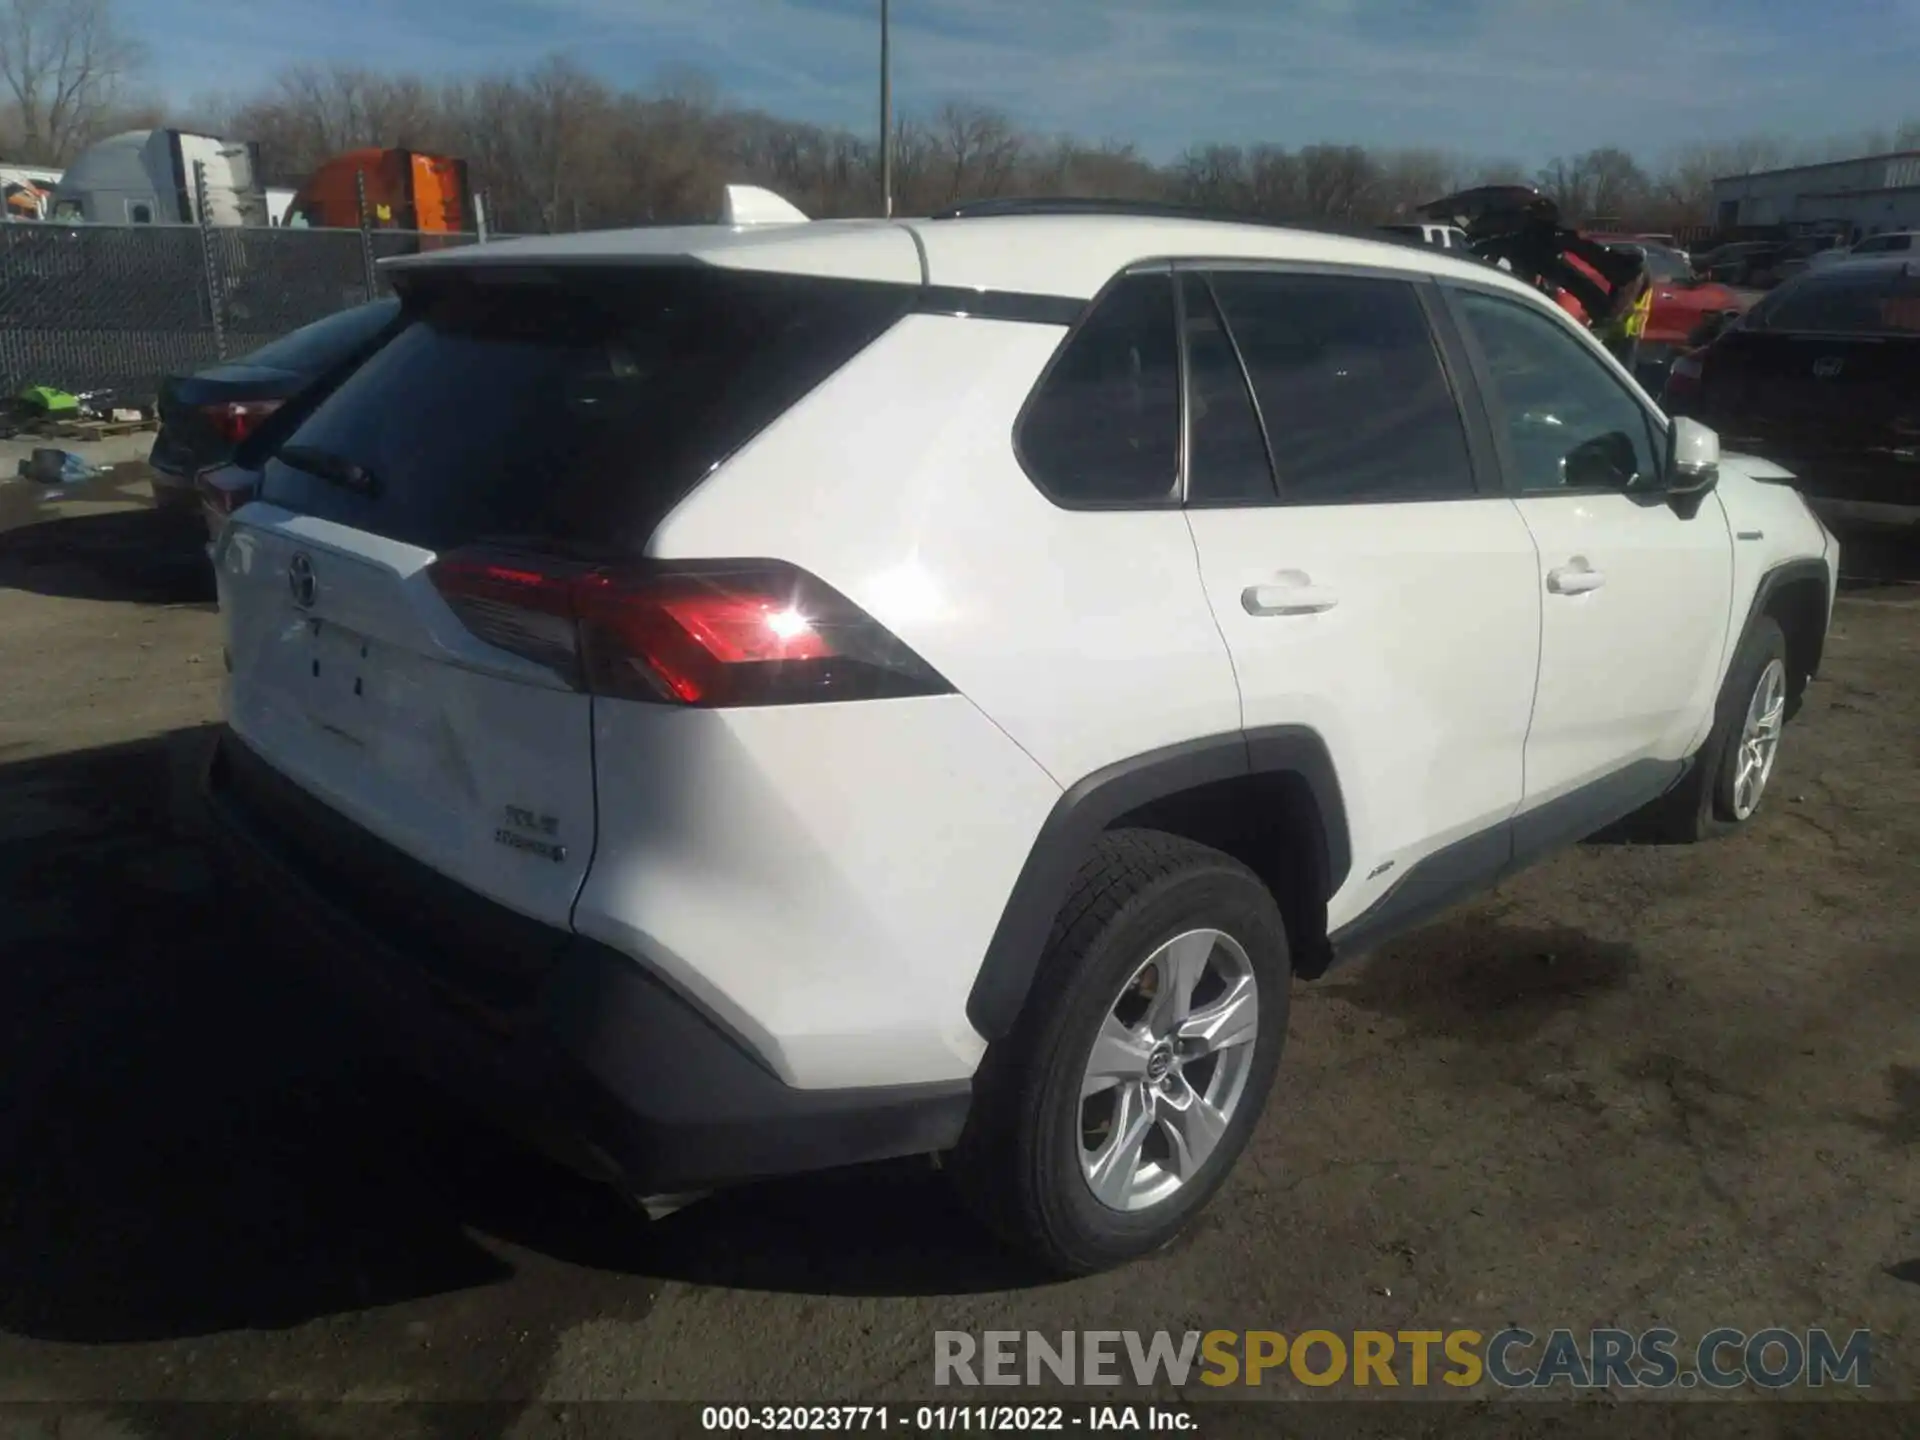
{"points": [[751, 205]]}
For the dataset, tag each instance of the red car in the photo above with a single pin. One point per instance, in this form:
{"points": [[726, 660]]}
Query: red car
{"points": [[1681, 300]]}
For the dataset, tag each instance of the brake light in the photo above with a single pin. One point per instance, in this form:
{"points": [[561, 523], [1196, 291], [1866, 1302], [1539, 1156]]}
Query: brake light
{"points": [[237, 419], [702, 633]]}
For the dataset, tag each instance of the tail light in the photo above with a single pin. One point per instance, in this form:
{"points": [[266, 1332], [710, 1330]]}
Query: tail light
{"points": [[704, 633], [225, 488], [237, 419]]}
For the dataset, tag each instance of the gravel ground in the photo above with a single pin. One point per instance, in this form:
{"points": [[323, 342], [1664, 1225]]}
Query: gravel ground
{"points": [[1633, 1086]]}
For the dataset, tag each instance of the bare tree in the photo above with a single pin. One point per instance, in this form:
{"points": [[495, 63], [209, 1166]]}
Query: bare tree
{"points": [[1615, 184], [1411, 178], [555, 148], [1337, 182], [1212, 177], [979, 151], [63, 62], [1274, 182]]}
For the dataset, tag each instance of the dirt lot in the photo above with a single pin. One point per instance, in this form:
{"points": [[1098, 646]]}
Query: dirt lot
{"points": [[1635, 1086]]}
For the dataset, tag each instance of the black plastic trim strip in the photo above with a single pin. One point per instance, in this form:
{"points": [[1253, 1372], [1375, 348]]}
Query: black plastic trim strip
{"points": [[1785, 573], [1067, 837], [1479, 861], [1463, 378], [1031, 309]]}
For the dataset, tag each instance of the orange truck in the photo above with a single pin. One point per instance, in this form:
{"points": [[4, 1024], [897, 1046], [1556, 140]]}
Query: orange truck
{"points": [[405, 190]]}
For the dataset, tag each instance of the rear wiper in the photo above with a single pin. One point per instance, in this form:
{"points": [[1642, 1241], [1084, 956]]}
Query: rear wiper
{"points": [[332, 468]]}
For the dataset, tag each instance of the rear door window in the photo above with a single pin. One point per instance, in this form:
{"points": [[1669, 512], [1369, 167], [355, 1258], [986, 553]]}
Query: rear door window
{"points": [[1349, 382], [571, 407]]}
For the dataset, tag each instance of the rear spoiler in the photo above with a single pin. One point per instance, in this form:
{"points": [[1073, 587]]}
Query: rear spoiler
{"points": [[1518, 224]]}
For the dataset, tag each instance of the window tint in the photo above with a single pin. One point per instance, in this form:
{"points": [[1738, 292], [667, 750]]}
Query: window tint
{"points": [[315, 347], [573, 407], [1348, 381], [1569, 422], [1226, 455], [1104, 427]]}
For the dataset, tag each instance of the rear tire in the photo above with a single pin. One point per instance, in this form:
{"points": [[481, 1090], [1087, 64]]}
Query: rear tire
{"points": [[1109, 1116]]}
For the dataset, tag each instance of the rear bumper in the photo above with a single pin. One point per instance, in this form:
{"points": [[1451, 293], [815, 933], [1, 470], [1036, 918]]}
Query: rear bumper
{"points": [[582, 1052]]}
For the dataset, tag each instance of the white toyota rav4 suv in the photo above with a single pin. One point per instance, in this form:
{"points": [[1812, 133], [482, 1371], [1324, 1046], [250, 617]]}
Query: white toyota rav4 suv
{"points": [[752, 698]]}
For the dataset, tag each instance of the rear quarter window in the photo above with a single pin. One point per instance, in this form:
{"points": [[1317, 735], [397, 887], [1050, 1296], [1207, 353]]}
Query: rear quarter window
{"points": [[1103, 428], [568, 407]]}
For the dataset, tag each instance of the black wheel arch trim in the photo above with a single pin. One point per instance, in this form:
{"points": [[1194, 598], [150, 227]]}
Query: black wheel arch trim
{"points": [[1786, 573], [1090, 806]]}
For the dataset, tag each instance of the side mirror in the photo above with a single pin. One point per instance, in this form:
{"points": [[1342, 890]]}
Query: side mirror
{"points": [[1693, 458], [1606, 460]]}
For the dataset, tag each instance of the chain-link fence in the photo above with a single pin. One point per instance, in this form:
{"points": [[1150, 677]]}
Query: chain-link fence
{"points": [[115, 307]]}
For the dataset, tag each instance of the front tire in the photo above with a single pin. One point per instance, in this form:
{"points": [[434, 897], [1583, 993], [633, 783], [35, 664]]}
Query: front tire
{"points": [[1730, 776], [1117, 1106]]}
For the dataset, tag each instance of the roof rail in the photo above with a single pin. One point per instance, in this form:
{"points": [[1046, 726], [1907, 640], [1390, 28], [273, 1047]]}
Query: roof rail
{"points": [[1159, 209]]}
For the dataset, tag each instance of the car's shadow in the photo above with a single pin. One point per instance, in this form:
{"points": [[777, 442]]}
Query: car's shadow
{"points": [[144, 556], [195, 1138]]}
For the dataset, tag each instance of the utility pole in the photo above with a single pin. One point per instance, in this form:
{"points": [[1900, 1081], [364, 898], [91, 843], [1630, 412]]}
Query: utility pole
{"points": [[886, 116]]}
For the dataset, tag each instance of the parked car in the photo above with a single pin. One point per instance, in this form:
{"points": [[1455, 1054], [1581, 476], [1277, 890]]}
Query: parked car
{"points": [[1790, 258], [1736, 263], [1441, 237], [742, 700], [1681, 302], [1822, 377], [1518, 229], [1670, 243], [225, 487], [203, 416], [1889, 242]]}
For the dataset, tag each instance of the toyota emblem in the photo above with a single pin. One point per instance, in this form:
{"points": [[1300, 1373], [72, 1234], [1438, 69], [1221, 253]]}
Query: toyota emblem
{"points": [[300, 580], [1828, 366]]}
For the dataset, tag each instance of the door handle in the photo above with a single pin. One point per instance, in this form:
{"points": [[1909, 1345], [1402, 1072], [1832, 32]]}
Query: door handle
{"points": [[1575, 579], [1287, 599]]}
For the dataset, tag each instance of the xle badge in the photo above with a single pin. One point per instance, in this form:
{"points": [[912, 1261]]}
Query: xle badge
{"points": [[534, 833]]}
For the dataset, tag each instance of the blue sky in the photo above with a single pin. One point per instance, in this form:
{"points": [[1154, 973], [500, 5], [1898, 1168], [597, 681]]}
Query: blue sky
{"points": [[1520, 79]]}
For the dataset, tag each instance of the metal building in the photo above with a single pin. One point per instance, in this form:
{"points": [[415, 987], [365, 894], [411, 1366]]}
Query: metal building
{"points": [[1873, 193]]}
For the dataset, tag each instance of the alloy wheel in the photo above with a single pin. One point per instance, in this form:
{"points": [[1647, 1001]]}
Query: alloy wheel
{"points": [[1168, 1070], [1759, 739]]}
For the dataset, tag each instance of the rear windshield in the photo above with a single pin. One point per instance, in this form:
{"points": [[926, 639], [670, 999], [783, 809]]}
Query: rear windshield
{"points": [[1666, 267], [319, 346], [572, 406], [1868, 300]]}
